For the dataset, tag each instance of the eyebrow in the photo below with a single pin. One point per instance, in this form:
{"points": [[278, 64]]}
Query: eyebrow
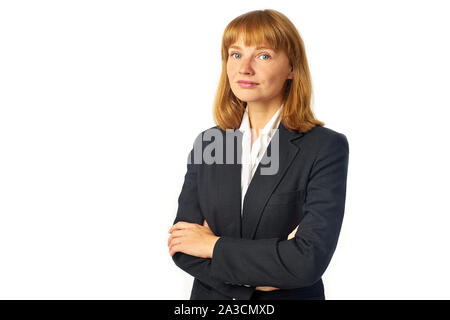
{"points": [[258, 48]]}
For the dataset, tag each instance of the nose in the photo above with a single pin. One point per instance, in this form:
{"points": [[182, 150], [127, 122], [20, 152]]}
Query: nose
{"points": [[245, 66]]}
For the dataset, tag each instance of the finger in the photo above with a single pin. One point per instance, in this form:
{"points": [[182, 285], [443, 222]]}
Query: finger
{"points": [[175, 248], [175, 227], [266, 288], [180, 225], [174, 242], [178, 235]]}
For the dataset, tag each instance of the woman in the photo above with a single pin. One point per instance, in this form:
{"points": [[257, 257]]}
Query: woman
{"points": [[244, 230]]}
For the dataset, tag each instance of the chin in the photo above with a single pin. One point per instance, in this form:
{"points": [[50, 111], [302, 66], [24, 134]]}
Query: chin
{"points": [[248, 97]]}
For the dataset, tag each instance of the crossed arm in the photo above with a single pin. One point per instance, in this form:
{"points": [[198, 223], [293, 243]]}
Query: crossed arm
{"points": [[292, 263], [199, 241]]}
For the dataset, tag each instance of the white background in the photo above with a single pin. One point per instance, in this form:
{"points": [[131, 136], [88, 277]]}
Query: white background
{"points": [[100, 102]]}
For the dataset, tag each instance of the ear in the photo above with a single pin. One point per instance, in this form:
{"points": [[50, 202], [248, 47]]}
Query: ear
{"points": [[291, 74]]}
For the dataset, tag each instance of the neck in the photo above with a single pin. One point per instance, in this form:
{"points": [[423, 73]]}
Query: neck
{"points": [[260, 113]]}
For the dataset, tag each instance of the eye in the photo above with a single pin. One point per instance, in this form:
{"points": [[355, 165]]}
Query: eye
{"points": [[262, 55], [265, 54]]}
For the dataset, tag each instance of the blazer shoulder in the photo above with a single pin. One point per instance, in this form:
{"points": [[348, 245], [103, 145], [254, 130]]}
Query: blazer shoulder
{"points": [[324, 134], [213, 128], [210, 129], [199, 141], [322, 137]]}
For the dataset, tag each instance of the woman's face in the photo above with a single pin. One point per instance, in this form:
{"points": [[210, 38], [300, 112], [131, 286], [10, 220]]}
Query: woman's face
{"points": [[268, 68]]}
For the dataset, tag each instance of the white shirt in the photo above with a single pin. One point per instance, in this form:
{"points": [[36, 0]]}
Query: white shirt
{"points": [[252, 154]]}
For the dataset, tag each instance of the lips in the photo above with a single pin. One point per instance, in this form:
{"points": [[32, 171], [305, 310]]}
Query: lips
{"points": [[247, 82]]}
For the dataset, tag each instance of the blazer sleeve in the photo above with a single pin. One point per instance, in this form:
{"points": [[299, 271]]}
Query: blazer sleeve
{"points": [[300, 261], [200, 268]]}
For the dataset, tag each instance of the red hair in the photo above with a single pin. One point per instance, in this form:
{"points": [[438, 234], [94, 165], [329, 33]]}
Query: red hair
{"points": [[274, 28]]}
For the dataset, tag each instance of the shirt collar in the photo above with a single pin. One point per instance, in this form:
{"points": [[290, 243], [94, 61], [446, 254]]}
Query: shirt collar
{"points": [[272, 124]]}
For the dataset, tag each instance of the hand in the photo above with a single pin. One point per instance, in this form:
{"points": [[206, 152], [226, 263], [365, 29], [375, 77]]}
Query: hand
{"points": [[291, 235], [266, 288], [192, 239]]}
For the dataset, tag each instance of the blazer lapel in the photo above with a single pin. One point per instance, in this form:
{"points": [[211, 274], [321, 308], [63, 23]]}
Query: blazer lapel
{"points": [[260, 189], [262, 186]]}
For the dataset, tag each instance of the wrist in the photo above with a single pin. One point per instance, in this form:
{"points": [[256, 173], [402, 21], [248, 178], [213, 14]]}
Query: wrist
{"points": [[216, 238]]}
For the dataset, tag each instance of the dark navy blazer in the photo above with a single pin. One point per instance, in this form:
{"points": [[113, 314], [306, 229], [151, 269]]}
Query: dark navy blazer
{"points": [[308, 190]]}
